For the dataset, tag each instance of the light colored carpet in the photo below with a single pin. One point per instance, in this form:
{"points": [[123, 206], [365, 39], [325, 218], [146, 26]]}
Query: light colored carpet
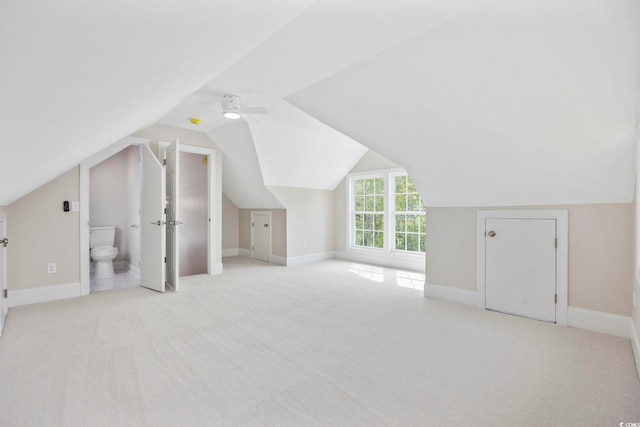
{"points": [[332, 344]]}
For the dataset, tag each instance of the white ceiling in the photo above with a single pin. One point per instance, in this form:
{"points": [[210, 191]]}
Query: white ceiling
{"points": [[483, 102]]}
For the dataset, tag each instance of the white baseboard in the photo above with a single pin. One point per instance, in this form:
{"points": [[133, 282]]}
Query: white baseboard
{"points": [[309, 258], [417, 264], [230, 252], [133, 270], [635, 345], [43, 294], [451, 294], [244, 252], [280, 260], [217, 268], [598, 321]]}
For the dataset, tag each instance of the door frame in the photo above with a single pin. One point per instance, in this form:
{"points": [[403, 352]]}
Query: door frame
{"points": [[213, 249], [562, 252], [4, 302], [85, 166], [253, 214]]}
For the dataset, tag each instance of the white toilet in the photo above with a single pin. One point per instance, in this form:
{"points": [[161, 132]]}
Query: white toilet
{"points": [[101, 241]]}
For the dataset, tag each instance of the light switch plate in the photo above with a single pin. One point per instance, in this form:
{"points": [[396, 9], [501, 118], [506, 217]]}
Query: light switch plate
{"points": [[75, 206]]}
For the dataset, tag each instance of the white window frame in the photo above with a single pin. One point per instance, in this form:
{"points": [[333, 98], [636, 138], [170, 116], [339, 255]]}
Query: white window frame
{"points": [[392, 210], [387, 255]]}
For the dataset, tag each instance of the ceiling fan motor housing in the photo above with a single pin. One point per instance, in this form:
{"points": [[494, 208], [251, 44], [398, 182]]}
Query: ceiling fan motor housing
{"points": [[230, 102]]}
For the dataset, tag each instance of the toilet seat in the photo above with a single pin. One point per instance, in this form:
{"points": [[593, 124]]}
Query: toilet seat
{"points": [[104, 251]]}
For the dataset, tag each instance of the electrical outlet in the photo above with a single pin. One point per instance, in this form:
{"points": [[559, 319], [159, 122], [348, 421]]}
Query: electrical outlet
{"points": [[51, 267]]}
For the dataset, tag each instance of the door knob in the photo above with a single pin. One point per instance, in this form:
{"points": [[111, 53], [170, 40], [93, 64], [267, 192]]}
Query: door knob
{"points": [[158, 222], [491, 233]]}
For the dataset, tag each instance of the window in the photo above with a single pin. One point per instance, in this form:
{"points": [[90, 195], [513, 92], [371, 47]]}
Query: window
{"points": [[387, 213], [369, 212], [409, 216]]}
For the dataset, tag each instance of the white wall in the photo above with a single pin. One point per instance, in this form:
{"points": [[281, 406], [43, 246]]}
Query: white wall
{"points": [[40, 233], [193, 211], [309, 220], [230, 224]]}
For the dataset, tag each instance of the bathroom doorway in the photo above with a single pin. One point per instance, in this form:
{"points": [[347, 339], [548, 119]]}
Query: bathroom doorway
{"points": [[114, 215]]}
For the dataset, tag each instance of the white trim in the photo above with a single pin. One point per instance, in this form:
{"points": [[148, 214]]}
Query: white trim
{"points": [[413, 262], [451, 294], [253, 214], [562, 253], [598, 321], [4, 304], [133, 270], [280, 260], [244, 252], [217, 269], [230, 252], [309, 258], [43, 294], [635, 345]]}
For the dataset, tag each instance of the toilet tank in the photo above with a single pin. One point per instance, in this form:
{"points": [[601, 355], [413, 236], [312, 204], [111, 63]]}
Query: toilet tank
{"points": [[102, 236]]}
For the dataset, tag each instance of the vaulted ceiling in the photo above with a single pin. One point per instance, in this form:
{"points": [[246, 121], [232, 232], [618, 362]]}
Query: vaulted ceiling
{"points": [[484, 102]]}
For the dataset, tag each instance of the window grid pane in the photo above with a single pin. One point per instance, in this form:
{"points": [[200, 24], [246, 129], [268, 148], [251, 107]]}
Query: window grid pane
{"points": [[369, 212], [409, 216]]}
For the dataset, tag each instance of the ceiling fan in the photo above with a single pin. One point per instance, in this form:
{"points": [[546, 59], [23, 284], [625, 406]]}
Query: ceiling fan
{"points": [[231, 108]]}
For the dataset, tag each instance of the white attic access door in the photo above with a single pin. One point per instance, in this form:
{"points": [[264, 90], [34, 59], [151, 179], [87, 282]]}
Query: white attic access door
{"points": [[523, 263]]}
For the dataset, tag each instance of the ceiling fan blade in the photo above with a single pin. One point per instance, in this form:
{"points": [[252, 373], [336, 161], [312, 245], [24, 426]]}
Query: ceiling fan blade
{"points": [[253, 110]]}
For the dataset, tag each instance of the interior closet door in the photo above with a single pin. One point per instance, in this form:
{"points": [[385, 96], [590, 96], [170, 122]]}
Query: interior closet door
{"points": [[152, 224], [521, 267]]}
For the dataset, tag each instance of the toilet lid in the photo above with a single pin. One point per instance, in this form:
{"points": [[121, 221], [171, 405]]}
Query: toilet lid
{"points": [[104, 250]]}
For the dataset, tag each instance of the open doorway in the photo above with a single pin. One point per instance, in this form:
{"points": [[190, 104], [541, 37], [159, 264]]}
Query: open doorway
{"points": [[114, 221], [194, 213]]}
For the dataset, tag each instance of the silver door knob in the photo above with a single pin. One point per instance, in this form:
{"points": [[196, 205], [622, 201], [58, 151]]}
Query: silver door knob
{"points": [[157, 222], [491, 233]]}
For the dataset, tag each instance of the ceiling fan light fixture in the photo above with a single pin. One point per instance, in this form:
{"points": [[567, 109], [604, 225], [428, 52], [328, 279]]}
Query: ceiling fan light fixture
{"points": [[231, 115]]}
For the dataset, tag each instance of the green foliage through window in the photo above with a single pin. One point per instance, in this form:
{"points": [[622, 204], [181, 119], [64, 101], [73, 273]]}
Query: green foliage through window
{"points": [[369, 212], [409, 216]]}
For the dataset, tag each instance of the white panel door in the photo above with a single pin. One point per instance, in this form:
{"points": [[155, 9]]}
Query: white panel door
{"points": [[261, 235], [4, 307], [520, 267], [152, 224], [173, 229]]}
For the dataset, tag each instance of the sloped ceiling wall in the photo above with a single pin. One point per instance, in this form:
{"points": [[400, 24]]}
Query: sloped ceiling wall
{"points": [[77, 76], [242, 179], [484, 102], [517, 103]]}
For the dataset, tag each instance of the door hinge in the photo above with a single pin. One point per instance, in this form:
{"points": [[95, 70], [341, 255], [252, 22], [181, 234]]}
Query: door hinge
{"points": [[4, 242], [556, 243], [165, 260], [252, 225], [165, 211], [253, 248], [6, 293], [556, 299], [164, 162]]}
